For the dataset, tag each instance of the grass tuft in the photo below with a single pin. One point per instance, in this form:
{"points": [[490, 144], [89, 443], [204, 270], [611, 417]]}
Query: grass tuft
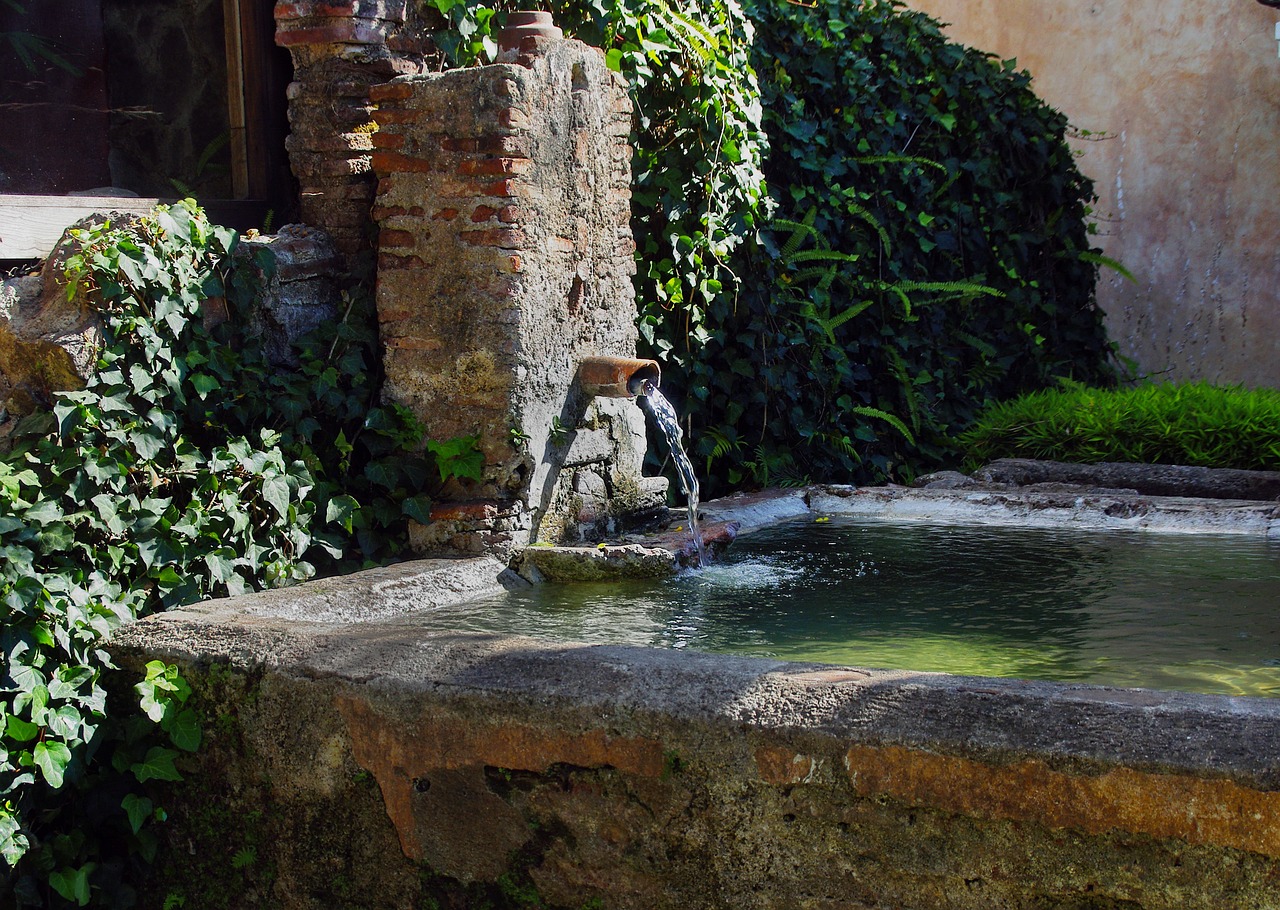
{"points": [[1189, 424]]}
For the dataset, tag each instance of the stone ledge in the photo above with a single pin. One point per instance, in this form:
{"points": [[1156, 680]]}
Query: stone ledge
{"points": [[1066, 507]]}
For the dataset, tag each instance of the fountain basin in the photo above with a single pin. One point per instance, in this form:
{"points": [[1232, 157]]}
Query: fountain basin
{"points": [[653, 778]]}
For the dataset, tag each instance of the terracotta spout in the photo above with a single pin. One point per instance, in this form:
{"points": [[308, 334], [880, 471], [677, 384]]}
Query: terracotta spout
{"points": [[617, 377]]}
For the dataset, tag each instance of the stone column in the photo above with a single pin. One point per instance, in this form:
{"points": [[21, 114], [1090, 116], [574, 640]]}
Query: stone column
{"points": [[505, 258]]}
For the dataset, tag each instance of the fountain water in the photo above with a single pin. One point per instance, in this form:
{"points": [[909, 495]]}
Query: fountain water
{"points": [[666, 419]]}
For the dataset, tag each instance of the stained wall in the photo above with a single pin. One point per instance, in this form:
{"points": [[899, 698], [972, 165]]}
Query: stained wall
{"points": [[1182, 103]]}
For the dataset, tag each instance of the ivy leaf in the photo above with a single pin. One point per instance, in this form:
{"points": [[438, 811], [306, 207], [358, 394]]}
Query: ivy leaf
{"points": [[275, 490], [138, 809], [20, 730], [156, 765], [341, 510], [13, 843], [73, 884], [204, 384], [185, 732], [52, 759], [418, 508]]}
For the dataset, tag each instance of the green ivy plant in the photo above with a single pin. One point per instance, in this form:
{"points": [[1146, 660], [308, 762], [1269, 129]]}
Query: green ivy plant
{"points": [[929, 253], [188, 467]]}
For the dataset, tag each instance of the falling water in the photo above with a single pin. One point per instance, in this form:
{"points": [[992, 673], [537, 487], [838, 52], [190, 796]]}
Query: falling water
{"points": [[664, 415]]}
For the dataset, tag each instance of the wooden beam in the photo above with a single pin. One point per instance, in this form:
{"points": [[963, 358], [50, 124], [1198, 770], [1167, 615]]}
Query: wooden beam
{"points": [[30, 226], [237, 122]]}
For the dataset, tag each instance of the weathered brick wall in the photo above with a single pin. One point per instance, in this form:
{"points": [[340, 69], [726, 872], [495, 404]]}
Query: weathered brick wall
{"points": [[505, 257], [340, 48]]}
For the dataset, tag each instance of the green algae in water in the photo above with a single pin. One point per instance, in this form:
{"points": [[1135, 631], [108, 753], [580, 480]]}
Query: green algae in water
{"points": [[1198, 613]]}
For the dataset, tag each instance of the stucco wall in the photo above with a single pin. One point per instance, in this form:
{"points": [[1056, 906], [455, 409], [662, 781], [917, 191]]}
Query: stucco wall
{"points": [[1187, 95]]}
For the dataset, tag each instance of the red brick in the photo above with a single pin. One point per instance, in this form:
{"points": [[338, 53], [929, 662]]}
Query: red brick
{"points": [[781, 766], [500, 188], [452, 144], [467, 511], [392, 237], [475, 167], [387, 140], [310, 10], [392, 261], [383, 116], [390, 91], [512, 146], [510, 214], [445, 215], [411, 44], [382, 212], [513, 117], [395, 314], [385, 162], [504, 238], [483, 213], [337, 33]]}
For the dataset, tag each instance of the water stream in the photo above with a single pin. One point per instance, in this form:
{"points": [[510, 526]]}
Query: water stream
{"points": [[666, 419]]}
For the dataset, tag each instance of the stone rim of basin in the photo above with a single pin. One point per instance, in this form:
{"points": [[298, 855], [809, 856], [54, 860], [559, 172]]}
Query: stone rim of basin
{"points": [[654, 555]]}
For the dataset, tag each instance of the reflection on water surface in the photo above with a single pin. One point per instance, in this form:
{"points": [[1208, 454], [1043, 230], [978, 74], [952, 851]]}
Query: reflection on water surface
{"points": [[1191, 612]]}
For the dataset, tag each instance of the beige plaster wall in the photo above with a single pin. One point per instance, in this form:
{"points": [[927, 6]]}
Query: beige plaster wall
{"points": [[1187, 94]]}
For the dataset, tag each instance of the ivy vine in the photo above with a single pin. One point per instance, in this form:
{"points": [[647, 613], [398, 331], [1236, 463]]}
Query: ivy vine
{"points": [[189, 466]]}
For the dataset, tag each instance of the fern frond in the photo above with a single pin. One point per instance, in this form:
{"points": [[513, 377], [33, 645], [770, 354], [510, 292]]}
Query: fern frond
{"points": [[887, 418], [864, 215], [1099, 259], [983, 347], [901, 159], [899, 367], [824, 256], [961, 288]]}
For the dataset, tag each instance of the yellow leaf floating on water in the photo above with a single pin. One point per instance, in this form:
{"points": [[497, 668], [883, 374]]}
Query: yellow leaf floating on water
{"points": [[823, 518]]}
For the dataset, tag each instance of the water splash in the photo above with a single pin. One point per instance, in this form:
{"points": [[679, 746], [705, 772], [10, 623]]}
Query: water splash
{"points": [[666, 419]]}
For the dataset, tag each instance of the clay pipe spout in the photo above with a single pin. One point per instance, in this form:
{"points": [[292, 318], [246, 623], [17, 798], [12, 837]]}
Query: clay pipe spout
{"points": [[617, 377]]}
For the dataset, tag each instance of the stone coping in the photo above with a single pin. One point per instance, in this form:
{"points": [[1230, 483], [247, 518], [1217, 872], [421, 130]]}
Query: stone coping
{"points": [[1052, 506]]}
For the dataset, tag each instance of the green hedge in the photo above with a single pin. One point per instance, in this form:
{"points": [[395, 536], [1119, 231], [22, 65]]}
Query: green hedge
{"points": [[1189, 424], [928, 253]]}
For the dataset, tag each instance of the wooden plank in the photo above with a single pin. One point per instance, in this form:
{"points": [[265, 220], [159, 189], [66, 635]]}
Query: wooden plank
{"points": [[31, 225], [268, 70], [232, 16]]}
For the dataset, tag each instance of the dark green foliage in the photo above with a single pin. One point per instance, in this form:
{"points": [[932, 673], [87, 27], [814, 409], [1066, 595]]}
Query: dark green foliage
{"points": [[928, 254], [188, 467], [1195, 424]]}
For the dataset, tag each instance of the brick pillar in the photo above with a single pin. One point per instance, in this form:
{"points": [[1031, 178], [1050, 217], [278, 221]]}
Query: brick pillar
{"points": [[340, 48], [505, 257]]}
